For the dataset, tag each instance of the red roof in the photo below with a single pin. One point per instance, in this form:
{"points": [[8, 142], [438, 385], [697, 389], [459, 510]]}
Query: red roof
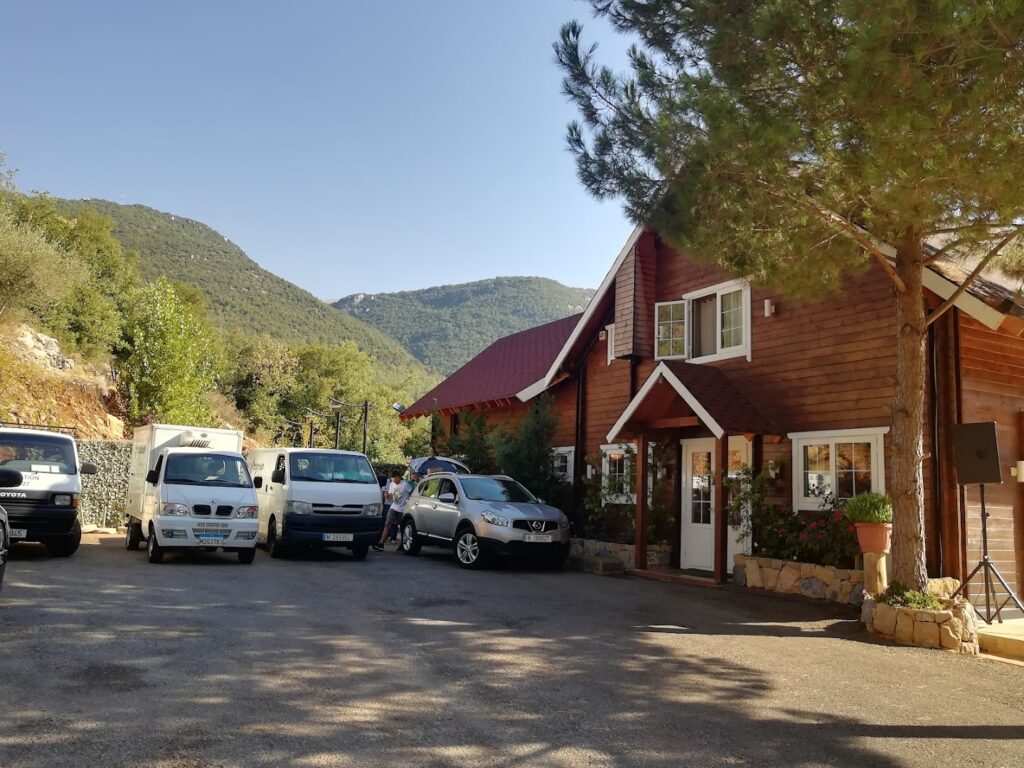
{"points": [[506, 367], [722, 399]]}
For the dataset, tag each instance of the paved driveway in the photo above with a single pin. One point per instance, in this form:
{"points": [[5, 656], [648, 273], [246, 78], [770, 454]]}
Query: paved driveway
{"points": [[395, 661]]}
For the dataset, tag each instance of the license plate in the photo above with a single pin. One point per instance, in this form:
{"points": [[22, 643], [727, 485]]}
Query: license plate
{"points": [[19, 533], [538, 538], [338, 537], [211, 536]]}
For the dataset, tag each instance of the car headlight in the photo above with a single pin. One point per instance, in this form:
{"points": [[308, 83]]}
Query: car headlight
{"points": [[3, 538], [494, 519], [563, 520], [249, 513], [299, 508], [373, 510], [62, 500], [176, 510]]}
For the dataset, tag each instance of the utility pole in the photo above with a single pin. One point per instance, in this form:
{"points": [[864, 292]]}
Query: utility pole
{"points": [[366, 423], [365, 407], [337, 429]]}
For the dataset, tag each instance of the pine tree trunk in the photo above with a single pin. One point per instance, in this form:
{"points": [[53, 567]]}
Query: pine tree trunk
{"points": [[907, 484]]}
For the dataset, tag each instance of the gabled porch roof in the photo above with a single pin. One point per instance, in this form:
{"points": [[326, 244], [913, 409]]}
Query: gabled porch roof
{"points": [[679, 394]]}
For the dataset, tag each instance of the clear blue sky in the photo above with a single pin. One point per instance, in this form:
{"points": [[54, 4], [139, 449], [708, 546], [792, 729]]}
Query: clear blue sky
{"points": [[345, 146]]}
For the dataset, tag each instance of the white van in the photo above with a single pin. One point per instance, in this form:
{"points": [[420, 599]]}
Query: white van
{"points": [[189, 487], [321, 498], [44, 507]]}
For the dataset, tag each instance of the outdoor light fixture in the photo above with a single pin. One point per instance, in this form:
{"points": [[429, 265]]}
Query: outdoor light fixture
{"points": [[398, 407], [1017, 470], [769, 307]]}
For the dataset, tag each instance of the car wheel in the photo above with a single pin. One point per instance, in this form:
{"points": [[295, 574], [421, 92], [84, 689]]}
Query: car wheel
{"points": [[68, 546], [359, 551], [246, 556], [468, 550], [275, 547], [132, 536], [410, 539], [154, 552]]}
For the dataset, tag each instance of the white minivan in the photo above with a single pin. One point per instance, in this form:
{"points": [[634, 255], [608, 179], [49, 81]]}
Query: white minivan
{"points": [[316, 497], [189, 487]]}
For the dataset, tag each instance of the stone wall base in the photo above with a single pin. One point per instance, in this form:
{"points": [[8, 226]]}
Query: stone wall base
{"points": [[819, 582], [583, 549], [953, 628]]}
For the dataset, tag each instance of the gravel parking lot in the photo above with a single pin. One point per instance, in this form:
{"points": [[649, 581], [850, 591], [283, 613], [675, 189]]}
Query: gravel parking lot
{"points": [[396, 661]]}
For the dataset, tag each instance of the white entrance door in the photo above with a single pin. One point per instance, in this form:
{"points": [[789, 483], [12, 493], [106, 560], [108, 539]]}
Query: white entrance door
{"points": [[697, 548]]}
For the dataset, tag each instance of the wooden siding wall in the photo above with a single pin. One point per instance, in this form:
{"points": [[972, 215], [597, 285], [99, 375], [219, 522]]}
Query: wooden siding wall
{"points": [[992, 380], [625, 306], [821, 365]]}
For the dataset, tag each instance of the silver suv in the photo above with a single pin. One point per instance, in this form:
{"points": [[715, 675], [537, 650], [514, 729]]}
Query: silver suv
{"points": [[480, 516]]}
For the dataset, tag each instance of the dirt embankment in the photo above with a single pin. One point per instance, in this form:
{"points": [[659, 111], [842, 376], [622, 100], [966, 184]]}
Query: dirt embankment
{"points": [[39, 385]]}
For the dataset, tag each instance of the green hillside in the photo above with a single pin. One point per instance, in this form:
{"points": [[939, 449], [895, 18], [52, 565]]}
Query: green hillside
{"points": [[446, 326], [242, 294]]}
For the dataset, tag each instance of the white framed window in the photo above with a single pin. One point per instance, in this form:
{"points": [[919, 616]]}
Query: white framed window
{"points": [[705, 325], [609, 337], [562, 462], [844, 463], [615, 473], [670, 329]]}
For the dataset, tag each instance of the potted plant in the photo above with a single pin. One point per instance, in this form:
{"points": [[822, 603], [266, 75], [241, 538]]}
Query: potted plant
{"points": [[871, 515]]}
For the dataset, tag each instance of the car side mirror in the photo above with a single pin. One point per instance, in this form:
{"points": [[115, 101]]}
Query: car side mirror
{"points": [[88, 468], [278, 476], [257, 482], [540, 500], [10, 478], [151, 477], [446, 498]]}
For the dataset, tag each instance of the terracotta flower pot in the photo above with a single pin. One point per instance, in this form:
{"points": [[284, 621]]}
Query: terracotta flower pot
{"points": [[874, 537]]}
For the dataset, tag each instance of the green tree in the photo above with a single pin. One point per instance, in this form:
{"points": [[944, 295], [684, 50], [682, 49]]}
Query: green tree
{"points": [[34, 273], [474, 443], [169, 363], [526, 454], [795, 142]]}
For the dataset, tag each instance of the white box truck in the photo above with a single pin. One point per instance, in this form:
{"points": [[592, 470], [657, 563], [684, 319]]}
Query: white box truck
{"points": [[189, 487], [316, 497]]}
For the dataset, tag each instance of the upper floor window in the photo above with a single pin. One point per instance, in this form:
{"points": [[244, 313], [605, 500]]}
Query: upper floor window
{"points": [[709, 324]]}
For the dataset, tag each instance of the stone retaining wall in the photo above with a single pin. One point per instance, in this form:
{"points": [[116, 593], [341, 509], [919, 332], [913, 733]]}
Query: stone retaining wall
{"points": [[954, 628], [657, 554], [820, 582], [103, 494]]}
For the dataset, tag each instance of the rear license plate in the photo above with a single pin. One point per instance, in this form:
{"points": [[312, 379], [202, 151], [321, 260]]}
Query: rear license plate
{"points": [[538, 538], [338, 537], [212, 536], [19, 533]]}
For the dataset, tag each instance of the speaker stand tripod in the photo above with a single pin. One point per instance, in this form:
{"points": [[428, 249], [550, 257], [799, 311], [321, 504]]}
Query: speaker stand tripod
{"points": [[988, 569]]}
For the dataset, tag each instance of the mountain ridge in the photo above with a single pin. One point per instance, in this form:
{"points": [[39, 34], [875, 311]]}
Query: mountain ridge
{"points": [[243, 295], [445, 326]]}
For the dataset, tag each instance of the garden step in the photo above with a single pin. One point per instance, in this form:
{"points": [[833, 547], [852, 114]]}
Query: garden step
{"points": [[1005, 640]]}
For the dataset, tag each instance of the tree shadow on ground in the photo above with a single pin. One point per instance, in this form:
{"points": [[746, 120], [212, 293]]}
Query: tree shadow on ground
{"points": [[413, 664]]}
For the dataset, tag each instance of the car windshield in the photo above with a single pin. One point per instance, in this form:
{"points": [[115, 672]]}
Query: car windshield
{"points": [[37, 453], [315, 467], [207, 469], [495, 489]]}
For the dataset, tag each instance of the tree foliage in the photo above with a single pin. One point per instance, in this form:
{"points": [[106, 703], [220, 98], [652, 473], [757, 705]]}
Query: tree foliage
{"points": [[526, 453], [34, 273], [169, 364], [794, 142], [474, 444]]}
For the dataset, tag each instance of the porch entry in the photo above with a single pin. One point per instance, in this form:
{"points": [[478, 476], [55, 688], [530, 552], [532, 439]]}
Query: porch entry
{"points": [[697, 516]]}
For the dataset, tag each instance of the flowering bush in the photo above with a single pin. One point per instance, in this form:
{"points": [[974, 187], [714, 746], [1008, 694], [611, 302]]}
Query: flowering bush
{"points": [[825, 537]]}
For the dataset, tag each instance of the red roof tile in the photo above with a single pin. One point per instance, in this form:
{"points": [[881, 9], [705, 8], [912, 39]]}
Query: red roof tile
{"points": [[506, 367]]}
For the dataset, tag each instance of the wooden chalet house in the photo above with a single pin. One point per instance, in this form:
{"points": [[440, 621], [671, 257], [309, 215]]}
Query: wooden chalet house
{"points": [[673, 352]]}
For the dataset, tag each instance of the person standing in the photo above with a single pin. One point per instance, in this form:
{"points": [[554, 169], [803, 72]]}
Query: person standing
{"points": [[398, 498], [390, 494]]}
